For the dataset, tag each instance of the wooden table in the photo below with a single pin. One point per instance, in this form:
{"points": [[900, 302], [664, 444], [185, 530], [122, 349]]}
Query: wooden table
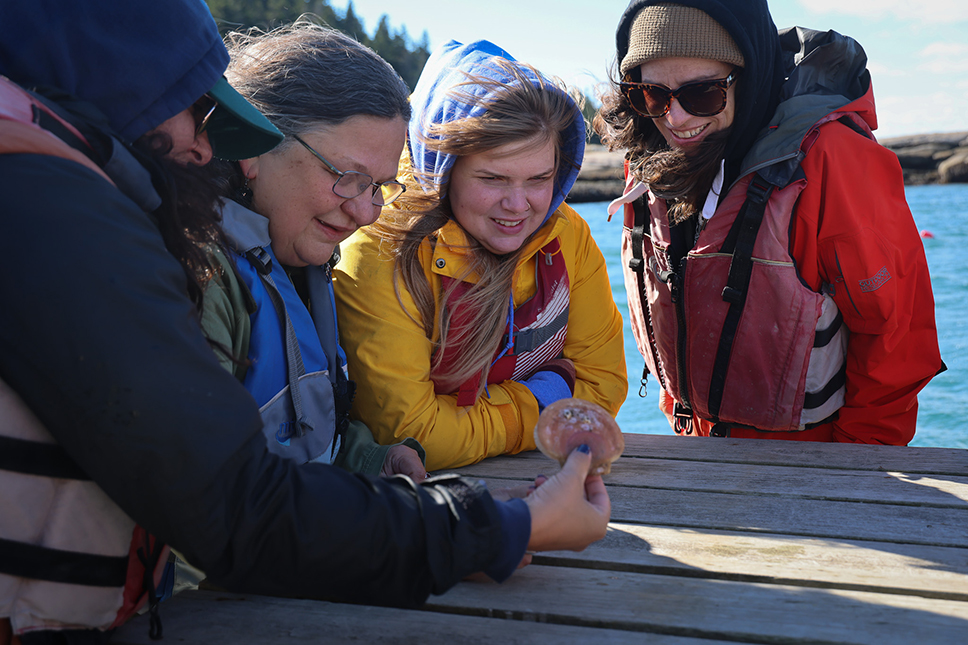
{"points": [[711, 540]]}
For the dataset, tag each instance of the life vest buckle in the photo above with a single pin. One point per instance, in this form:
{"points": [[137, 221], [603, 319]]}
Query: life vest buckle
{"points": [[524, 341], [682, 419], [260, 259]]}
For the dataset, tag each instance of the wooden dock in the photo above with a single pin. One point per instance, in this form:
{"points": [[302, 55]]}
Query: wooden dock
{"points": [[711, 540]]}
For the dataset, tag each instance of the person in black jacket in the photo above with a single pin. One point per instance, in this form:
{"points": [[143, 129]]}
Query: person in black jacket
{"points": [[100, 346]]}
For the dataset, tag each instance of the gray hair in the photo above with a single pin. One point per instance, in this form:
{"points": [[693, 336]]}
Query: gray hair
{"points": [[303, 76]]}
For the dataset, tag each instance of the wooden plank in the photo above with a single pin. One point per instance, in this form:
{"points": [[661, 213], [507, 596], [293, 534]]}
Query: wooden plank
{"points": [[942, 491], [211, 618], [728, 610], [790, 515], [930, 572], [828, 456], [941, 461]]}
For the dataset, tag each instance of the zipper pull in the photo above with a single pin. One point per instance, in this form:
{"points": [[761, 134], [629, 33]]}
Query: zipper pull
{"points": [[675, 286]]}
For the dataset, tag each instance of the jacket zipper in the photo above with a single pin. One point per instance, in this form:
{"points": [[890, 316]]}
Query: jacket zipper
{"points": [[676, 289]]}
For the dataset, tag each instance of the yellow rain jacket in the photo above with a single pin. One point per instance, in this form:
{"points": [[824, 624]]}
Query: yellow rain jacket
{"points": [[389, 355]]}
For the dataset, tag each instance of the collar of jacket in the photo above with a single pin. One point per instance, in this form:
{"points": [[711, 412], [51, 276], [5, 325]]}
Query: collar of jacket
{"points": [[244, 229], [451, 248], [826, 72]]}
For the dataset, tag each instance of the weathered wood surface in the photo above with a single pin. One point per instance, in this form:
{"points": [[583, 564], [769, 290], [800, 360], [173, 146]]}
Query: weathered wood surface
{"points": [[930, 572], [211, 618], [710, 541], [852, 457], [703, 608]]}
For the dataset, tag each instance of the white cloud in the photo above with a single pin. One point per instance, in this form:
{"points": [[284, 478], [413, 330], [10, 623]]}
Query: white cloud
{"points": [[896, 118], [879, 70], [926, 11], [944, 58]]}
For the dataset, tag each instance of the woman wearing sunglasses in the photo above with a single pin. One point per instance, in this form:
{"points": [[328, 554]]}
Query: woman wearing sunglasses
{"points": [[777, 284], [480, 297]]}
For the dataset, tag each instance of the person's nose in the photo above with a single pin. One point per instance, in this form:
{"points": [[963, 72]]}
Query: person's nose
{"points": [[361, 209], [516, 200], [676, 116]]}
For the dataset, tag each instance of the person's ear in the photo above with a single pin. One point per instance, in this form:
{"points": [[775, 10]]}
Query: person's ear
{"points": [[250, 167]]}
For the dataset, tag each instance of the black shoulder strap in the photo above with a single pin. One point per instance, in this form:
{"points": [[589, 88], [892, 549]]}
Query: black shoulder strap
{"points": [[639, 222], [41, 459], [740, 269]]}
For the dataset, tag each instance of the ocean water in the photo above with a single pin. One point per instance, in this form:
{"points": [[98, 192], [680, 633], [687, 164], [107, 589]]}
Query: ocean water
{"points": [[943, 404]]}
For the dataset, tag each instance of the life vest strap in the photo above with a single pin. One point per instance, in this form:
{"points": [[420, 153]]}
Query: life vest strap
{"points": [[40, 459], [737, 283], [55, 565], [530, 339], [294, 362], [639, 222]]}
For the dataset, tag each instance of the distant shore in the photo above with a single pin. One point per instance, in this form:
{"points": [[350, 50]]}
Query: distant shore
{"points": [[924, 158]]}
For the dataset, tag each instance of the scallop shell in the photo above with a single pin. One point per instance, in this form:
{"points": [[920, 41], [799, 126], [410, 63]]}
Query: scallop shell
{"points": [[568, 423]]}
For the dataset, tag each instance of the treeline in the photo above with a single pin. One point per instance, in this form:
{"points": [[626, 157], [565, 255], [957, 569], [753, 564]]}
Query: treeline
{"points": [[395, 46]]}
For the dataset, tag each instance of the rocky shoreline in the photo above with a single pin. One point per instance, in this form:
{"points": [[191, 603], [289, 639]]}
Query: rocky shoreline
{"points": [[924, 158]]}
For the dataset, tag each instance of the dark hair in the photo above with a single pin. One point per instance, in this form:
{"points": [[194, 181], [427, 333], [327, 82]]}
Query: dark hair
{"points": [[189, 217]]}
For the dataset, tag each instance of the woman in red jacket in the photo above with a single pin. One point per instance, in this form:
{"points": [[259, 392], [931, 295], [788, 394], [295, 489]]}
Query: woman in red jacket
{"points": [[777, 284]]}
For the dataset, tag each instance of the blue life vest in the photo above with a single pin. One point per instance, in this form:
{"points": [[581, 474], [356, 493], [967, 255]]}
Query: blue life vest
{"points": [[302, 421]]}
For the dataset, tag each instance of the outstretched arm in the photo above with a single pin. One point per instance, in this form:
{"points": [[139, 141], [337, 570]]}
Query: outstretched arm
{"points": [[100, 340]]}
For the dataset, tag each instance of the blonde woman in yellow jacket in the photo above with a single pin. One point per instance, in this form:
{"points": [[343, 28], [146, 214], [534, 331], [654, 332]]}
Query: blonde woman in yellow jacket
{"points": [[483, 228]]}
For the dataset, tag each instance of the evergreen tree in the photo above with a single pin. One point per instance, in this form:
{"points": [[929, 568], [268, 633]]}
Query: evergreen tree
{"points": [[395, 47], [588, 110]]}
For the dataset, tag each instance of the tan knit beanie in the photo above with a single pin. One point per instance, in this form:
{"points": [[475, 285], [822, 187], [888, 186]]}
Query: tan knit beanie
{"points": [[673, 31]]}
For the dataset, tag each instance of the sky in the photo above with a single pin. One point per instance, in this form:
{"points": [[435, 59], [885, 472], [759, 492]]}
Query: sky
{"points": [[917, 49]]}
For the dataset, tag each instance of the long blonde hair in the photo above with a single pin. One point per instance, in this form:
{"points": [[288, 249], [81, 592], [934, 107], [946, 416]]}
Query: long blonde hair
{"points": [[530, 108]]}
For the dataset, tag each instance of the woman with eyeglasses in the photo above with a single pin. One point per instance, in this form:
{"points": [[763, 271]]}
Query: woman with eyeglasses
{"points": [[343, 111], [777, 285], [270, 312], [479, 297]]}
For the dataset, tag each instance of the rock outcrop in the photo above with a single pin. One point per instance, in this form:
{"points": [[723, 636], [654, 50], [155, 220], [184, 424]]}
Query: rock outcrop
{"points": [[924, 158], [932, 158]]}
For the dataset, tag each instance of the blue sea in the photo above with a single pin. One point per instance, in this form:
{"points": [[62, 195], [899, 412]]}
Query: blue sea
{"points": [[943, 409]]}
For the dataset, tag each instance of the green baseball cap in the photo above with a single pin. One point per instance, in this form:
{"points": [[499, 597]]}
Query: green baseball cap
{"points": [[237, 130]]}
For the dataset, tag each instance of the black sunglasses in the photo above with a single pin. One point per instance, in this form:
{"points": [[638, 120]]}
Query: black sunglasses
{"points": [[702, 98]]}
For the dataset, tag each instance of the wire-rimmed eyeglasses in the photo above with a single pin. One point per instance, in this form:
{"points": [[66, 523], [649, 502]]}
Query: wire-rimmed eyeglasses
{"points": [[351, 183]]}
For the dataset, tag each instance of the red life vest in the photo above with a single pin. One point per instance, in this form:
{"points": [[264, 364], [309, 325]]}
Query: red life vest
{"points": [[733, 333], [540, 328]]}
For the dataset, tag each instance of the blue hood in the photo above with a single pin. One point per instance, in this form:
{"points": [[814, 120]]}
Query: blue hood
{"points": [[139, 61], [432, 103]]}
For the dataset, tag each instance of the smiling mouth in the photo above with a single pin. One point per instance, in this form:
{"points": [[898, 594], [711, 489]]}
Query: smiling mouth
{"points": [[689, 134], [508, 223], [343, 232]]}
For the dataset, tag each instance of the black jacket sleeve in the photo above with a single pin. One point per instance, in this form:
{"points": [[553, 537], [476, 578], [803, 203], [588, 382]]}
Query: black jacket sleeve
{"points": [[99, 338]]}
